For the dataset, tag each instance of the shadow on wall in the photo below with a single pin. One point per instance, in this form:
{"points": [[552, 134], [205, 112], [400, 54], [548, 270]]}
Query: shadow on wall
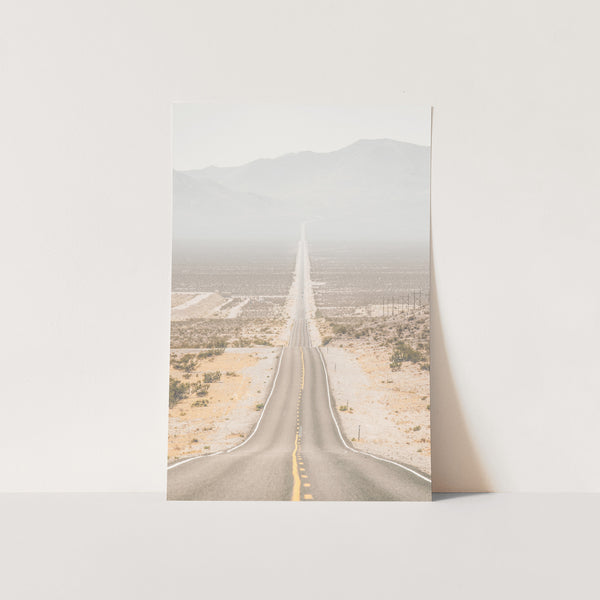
{"points": [[455, 466]]}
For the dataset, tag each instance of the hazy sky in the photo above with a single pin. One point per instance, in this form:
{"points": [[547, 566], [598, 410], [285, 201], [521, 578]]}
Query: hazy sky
{"points": [[223, 135]]}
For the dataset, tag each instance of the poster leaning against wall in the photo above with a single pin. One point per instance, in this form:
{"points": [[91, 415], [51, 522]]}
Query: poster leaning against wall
{"points": [[299, 362]]}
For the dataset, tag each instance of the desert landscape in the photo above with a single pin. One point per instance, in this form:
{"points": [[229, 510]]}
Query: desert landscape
{"points": [[300, 327], [225, 344], [370, 313], [216, 399]]}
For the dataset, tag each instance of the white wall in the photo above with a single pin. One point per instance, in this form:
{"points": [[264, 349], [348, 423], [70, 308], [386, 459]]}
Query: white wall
{"points": [[84, 233]]}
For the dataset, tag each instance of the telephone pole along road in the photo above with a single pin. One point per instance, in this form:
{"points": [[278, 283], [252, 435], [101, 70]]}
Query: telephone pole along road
{"points": [[296, 450]]}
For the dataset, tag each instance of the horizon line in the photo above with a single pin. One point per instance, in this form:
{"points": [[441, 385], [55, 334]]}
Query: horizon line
{"points": [[293, 153]]}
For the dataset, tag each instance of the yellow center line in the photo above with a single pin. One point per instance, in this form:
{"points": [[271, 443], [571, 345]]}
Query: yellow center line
{"points": [[296, 488], [295, 472]]}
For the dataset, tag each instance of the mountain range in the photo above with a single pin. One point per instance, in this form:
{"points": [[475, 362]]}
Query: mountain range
{"points": [[369, 186]]}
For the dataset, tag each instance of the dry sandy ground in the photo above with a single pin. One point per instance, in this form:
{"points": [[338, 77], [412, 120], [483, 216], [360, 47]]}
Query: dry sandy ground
{"points": [[235, 402], [289, 312], [194, 306], [179, 298], [391, 408], [311, 309], [232, 402]]}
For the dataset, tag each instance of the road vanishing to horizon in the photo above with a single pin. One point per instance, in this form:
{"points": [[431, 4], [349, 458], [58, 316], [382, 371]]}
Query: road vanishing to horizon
{"points": [[297, 450]]}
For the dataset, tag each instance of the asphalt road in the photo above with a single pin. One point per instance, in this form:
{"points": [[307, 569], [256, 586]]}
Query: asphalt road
{"points": [[296, 451]]}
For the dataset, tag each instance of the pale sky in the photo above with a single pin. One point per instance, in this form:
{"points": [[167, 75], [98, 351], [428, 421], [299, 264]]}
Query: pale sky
{"points": [[231, 135]]}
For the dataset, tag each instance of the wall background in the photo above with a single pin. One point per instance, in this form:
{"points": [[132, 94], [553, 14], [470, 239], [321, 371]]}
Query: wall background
{"points": [[85, 227]]}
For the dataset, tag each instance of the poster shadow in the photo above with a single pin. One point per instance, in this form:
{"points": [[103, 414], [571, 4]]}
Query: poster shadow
{"points": [[443, 496], [455, 464]]}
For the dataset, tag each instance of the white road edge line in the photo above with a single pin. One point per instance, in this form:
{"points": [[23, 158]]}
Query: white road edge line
{"points": [[342, 437], [253, 431]]}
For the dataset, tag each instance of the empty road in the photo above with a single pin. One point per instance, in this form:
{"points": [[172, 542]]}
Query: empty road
{"points": [[296, 451]]}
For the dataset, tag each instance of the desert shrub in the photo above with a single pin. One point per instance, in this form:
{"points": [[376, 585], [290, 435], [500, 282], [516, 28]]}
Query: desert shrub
{"points": [[217, 342], [203, 402], [327, 339], [200, 389], [177, 391], [395, 362], [186, 363], [211, 352], [403, 353], [259, 405], [211, 376], [339, 328]]}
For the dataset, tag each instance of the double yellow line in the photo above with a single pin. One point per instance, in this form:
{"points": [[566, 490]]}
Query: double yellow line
{"points": [[295, 473], [295, 470]]}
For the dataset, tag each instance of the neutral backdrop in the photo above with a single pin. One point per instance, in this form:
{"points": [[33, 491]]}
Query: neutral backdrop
{"points": [[85, 228]]}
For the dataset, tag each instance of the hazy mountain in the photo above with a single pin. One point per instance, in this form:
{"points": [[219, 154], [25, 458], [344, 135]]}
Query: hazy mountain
{"points": [[372, 187], [208, 210], [202, 193]]}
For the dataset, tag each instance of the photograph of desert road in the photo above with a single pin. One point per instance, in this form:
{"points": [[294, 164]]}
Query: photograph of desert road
{"points": [[300, 318]]}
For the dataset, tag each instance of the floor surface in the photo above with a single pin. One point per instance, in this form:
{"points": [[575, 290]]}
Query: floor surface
{"points": [[114, 546]]}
